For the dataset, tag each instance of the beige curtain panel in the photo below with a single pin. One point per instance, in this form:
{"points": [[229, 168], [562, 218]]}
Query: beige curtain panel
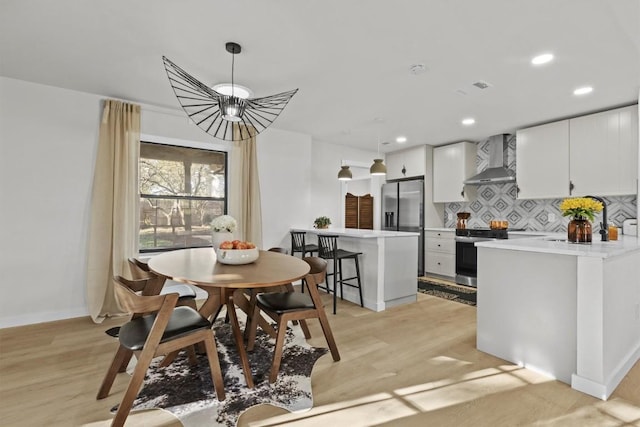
{"points": [[113, 229], [244, 198]]}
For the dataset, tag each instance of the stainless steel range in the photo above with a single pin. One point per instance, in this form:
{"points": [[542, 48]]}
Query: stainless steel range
{"points": [[467, 254]]}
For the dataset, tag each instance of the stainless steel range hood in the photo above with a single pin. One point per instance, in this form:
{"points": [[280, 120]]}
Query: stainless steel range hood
{"points": [[496, 172]]}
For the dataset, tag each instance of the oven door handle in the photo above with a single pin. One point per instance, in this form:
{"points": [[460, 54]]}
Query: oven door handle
{"points": [[467, 239]]}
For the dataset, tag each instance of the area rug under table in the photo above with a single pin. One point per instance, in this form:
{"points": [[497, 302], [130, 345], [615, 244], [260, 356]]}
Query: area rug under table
{"points": [[187, 391], [461, 294]]}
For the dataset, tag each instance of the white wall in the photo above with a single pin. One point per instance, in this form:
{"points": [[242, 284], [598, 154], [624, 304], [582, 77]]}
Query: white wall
{"points": [[326, 190], [48, 140], [285, 180]]}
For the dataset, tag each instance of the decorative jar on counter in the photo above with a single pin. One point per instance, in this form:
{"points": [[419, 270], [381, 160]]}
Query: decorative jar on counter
{"points": [[579, 231]]}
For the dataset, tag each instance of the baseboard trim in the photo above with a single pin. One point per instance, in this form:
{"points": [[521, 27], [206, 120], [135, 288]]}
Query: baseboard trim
{"points": [[603, 391]]}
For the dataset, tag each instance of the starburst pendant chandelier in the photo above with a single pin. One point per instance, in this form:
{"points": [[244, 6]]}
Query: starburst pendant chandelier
{"points": [[223, 116]]}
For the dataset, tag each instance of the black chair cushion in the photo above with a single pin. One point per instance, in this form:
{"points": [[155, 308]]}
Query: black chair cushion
{"points": [[340, 254], [280, 302], [183, 321], [311, 247]]}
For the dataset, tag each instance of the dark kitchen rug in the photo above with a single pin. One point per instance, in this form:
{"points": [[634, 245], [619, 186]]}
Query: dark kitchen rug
{"points": [[187, 392], [461, 294]]}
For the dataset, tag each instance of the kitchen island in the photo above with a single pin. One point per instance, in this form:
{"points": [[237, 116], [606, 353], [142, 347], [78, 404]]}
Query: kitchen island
{"points": [[388, 264], [571, 311]]}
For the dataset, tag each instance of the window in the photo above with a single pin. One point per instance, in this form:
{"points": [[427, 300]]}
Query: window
{"points": [[181, 190]]}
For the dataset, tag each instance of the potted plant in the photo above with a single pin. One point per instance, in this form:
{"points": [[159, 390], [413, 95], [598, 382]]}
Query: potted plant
{"points": [[322, 222], [582, 211], [222, 229]]}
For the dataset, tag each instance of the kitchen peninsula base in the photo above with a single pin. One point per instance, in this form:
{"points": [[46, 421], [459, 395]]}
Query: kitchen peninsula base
{"points": [[569, 311], [388, 265]]}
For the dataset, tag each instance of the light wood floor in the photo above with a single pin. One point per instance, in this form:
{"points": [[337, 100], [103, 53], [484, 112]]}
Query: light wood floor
{"points": [[413, 365]]}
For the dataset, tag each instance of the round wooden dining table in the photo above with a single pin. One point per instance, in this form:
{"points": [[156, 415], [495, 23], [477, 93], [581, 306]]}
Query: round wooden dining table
{"points": [[199, 267]]}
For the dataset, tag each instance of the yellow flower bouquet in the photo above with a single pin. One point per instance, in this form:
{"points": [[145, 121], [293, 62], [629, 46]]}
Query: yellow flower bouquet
{"points": [[580, 208]]}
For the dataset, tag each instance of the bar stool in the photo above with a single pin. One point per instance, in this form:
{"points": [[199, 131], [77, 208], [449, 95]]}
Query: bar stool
{"points": [[298, 244], [328, 249]]}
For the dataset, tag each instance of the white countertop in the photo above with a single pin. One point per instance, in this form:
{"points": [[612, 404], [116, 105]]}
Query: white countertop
{"points": [[546, 244], [439, 229], [354, 232]]}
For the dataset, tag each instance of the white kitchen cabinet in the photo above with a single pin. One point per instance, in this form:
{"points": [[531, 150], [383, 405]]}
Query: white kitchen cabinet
{"points": [[408, 163], [595, 154], [440, 253], [603, 152], [542, 161], [452, 165]]}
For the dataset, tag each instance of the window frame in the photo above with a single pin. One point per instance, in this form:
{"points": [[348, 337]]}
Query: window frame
{"points": [[207, 146]]}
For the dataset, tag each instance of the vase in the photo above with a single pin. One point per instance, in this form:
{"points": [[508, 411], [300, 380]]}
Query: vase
{"points": [[218, 237], [579, 231]]}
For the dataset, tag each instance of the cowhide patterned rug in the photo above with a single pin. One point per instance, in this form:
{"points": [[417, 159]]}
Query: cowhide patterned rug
{"points": [[187, 392]]}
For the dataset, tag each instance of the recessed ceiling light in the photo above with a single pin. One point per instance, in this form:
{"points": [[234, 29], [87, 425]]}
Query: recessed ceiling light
{"points": [[542, 59], [583, 90], [468, 122], [401, 139], [239, 91]]}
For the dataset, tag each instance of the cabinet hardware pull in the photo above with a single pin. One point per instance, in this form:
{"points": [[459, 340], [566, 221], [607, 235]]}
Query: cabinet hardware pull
{"points": [[571, 187], [462, 192], [517, 190], [438, 263]]}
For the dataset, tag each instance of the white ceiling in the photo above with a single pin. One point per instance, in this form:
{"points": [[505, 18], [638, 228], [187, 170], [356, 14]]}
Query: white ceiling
{"points": [[350, 59]]}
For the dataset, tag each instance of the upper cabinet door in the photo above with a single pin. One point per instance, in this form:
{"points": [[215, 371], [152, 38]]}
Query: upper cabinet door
{"points": [[408, 163], [604, 152], [542, 161], [452, 165], [415, 161], [394, 163]]}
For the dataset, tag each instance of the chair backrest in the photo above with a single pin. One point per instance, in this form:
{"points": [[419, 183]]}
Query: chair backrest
{"points": [[134, 303], [327, 245], [139, 269], [317, 264], [279, 250], [142, 265], [318, 271], [297, 240]]}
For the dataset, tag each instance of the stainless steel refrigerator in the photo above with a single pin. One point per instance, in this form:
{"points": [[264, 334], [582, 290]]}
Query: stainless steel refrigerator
{"points": [[403, 210]]}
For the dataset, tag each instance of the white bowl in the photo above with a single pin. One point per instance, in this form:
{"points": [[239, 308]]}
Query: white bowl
{"points": [[237, 256]]}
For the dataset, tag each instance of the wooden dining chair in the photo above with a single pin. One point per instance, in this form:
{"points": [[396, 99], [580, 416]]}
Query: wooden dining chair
{"points": [[166, 329], [140, 270], [288, 306], [249, 307], [154, 285]]}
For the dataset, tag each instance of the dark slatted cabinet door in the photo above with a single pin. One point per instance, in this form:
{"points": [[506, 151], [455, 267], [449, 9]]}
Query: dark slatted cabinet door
{"points": [[366, 212], [351, 211]]}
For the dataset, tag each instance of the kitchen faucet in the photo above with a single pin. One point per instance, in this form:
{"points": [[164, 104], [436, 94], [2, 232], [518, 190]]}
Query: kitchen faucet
{"points": [[604, 227]]}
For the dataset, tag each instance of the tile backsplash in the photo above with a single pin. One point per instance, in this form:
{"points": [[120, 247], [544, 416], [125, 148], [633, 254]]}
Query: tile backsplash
{"points": [[498, 201]]}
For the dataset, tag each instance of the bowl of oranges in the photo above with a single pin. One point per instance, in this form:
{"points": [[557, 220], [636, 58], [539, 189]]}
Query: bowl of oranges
{"points": [[237, 252]]}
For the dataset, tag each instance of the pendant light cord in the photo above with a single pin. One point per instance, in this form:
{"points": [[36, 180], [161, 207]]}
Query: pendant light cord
{"points": [[233, 60]]}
